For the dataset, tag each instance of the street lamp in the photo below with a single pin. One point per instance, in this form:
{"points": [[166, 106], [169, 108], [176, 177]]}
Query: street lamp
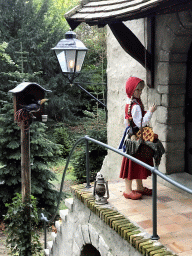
{"points": [[70, 53]]}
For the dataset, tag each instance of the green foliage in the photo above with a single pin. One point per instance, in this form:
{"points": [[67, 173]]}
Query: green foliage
{"points": [[66, 102], [3, 55], [21, 221], [43, 154], [93, 76], [61, 136], [96, 129], [30, 29]]}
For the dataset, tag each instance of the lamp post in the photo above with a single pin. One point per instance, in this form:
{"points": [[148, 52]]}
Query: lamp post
{"points": [[70, 53]]}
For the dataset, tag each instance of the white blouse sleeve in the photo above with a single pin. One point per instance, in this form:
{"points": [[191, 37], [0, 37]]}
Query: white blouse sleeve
{"points": [[137, 116]]}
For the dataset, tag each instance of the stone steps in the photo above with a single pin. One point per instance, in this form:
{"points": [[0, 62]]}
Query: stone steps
{"points": [[58, 224]]}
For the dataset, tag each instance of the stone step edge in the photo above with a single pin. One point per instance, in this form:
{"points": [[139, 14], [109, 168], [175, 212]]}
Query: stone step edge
{"points": [[53, 236], [46, 251], [69, 203], [50, 245], [58, 224], [121, 225], [63, 214]]}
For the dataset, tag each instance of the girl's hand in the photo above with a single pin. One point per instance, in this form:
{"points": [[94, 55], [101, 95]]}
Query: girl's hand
{"points": [[153, 108]]}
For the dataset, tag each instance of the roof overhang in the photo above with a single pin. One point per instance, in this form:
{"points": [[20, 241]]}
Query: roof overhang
{"points": [[115, 12], [94, 12]]}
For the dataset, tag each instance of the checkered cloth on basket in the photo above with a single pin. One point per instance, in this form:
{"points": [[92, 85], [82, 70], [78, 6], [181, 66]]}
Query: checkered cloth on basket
{"points": [[148, 134]]}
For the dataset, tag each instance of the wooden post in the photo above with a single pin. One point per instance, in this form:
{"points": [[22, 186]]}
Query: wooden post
{"points": [[25, 163], [26, 180]]}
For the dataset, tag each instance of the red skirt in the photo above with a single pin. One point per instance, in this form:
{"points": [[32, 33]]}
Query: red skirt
{"points": [[131, 171]]}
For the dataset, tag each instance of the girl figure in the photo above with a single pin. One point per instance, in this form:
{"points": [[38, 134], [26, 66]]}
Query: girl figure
{"points": [[134, 110]]}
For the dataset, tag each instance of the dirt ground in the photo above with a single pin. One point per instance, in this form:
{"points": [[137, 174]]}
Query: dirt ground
{"points": [[3, 249]]}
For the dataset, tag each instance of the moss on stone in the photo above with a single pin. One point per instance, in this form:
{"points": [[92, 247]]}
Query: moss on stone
{"points": [[120, 224]]}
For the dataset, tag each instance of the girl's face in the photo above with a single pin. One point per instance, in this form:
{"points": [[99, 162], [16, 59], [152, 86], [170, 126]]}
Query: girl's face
{"points": [[138, 90]]}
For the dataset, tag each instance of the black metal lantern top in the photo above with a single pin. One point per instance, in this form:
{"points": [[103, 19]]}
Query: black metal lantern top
{"points": [[70, 53]]}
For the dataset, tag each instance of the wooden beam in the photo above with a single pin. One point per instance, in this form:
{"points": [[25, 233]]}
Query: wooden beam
{"points": [[151, 50], [131, 44]]}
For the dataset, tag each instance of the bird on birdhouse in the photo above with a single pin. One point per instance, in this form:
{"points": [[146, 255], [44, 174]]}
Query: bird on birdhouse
{"points": [[25, 113], [34, 107]]}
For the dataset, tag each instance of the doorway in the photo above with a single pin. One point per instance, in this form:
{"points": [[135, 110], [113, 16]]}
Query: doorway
{"points": [[89, 250], [188, 115]]}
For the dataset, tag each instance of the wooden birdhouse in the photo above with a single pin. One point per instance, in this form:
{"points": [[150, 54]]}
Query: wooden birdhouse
{"points": [[27, 93]]}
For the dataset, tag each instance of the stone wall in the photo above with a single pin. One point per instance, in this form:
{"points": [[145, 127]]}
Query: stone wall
{"points": [[107, 231], [120, 67], [173, 39], [80, 226]]}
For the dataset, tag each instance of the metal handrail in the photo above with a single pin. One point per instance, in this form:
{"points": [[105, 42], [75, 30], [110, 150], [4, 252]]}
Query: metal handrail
{"points": [[154, 170], [43, 218]]}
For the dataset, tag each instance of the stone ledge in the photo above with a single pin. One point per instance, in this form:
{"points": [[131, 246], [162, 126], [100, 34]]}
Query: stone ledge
{"points": [[69, 203], [50, 245], [46, 251], [58, 225], [53, 235], [115, 220], [63, 214]]}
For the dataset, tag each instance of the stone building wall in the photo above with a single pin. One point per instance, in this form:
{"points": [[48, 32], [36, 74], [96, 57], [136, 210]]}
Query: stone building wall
{"points": [[173, 39], [120, 67]]}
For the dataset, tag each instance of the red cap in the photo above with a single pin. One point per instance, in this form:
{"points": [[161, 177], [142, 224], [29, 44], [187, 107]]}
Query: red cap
{"points": [[131, 85]]}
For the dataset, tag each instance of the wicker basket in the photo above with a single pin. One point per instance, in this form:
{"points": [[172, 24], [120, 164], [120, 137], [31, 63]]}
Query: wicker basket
{"points": [[145, 134]]}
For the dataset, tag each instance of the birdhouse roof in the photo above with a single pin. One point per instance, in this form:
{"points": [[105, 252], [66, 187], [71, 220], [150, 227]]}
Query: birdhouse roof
{"points": [[21, 87]]}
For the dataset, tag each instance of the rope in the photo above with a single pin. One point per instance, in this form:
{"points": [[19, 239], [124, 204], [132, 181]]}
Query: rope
{"points": [[22, 115]]}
